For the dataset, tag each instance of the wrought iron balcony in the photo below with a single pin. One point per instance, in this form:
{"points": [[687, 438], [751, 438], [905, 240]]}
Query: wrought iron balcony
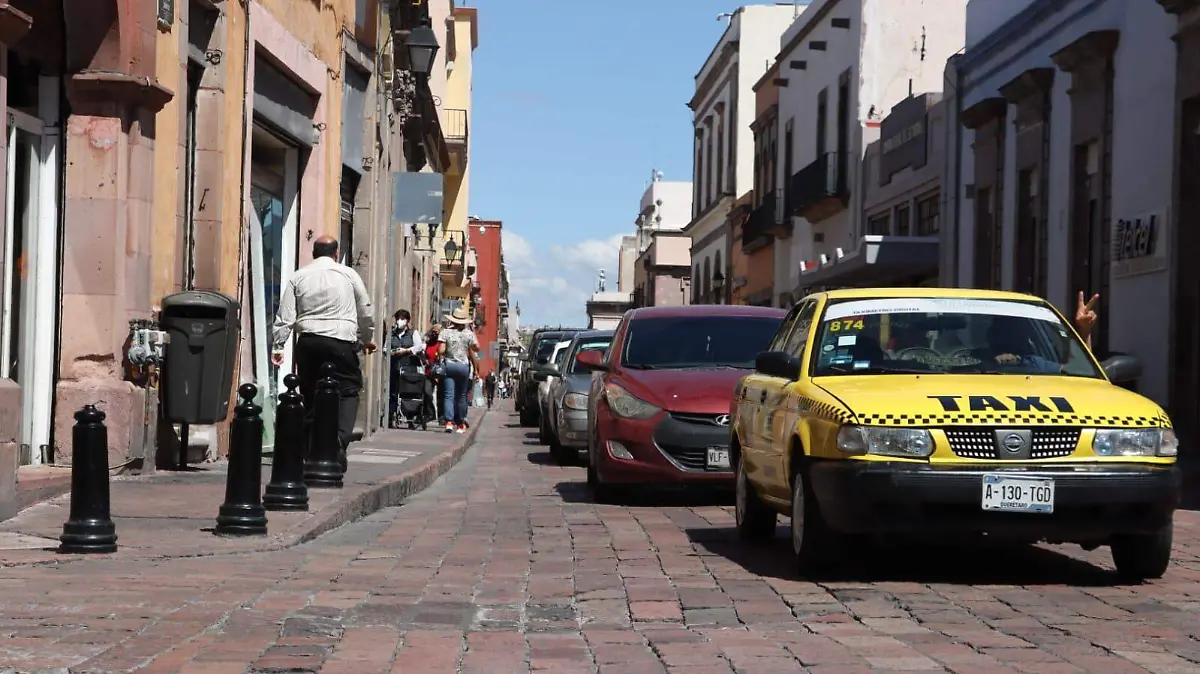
{"points": [[456, 131], [767, 221], [821, 190]]}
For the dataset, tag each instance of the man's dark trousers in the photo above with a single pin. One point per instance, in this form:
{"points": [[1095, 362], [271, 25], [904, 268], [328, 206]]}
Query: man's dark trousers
{"points": [[313, 351]]}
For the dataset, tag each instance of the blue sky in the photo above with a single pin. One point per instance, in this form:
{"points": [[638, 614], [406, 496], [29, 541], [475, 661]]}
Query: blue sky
{"points": [[574, 104]]}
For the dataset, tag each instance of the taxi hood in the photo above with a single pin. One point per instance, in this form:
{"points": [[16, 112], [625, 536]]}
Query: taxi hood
{"points": [[956, 399]]}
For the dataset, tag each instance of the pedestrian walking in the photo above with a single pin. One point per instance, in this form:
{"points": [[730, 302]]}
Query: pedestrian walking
{"points": [[489, 388], [435, 371], [459, 349], [407, 350], [326, 305]]}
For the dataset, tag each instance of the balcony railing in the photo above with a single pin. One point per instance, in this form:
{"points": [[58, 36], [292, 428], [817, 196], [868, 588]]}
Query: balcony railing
{"points": [[454, 127], [765, 222], [820, 190]]}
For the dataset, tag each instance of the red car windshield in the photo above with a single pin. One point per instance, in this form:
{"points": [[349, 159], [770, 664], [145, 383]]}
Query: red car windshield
{"points": [[680, 342]]}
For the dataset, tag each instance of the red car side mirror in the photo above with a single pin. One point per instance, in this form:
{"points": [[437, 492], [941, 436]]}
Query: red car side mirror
{"points": [[591, 360]]}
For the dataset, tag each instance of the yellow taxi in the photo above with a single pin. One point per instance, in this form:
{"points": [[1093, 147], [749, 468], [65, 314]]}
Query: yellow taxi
{"points": [[946, 413]]}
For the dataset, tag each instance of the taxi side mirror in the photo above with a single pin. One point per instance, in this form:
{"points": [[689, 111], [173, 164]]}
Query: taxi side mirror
{"points": [[778, 364], [1122, 368]]}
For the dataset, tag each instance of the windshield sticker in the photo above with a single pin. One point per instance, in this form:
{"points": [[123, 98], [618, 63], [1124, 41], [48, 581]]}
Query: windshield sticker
{"points": [[862, 364], [840, 360], [837, 314], [847, 340], [850, 324], [827, 347], [1010, 404]]}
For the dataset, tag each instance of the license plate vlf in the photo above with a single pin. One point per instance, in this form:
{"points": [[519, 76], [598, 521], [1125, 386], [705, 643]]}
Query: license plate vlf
{"points": [[717, 458], [1018, 494]]}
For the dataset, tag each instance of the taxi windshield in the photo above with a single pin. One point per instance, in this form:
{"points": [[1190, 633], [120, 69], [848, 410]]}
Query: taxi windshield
{"points": [[918, 335]]}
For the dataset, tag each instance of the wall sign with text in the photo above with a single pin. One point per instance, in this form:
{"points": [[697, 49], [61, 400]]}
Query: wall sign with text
{"points": [[1139, 244]]}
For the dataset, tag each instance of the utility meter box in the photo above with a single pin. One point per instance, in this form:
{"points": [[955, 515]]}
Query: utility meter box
{"points": [[197, 378]]}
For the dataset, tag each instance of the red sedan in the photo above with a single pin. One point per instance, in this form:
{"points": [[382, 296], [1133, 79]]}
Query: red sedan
{"points": [[659, 405]]}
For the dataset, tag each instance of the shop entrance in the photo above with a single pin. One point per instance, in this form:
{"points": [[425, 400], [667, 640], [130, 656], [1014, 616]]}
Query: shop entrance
{"points": [[29, 313], [274, 180]]}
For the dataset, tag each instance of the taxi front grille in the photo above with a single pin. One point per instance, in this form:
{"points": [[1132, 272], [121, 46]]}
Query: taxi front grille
{"points": [[980, 443]]}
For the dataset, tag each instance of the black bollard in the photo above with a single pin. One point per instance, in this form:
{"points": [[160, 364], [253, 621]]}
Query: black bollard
{"points": [[89, 529], [323, 466], [287, 490], [242, 513]]}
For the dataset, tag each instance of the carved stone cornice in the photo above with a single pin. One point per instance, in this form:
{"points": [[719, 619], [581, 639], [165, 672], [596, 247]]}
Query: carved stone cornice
{"points": [[1031, 83], [14, 23], [88, 88], [1179, 6], [1097, 47], [983, 112]]}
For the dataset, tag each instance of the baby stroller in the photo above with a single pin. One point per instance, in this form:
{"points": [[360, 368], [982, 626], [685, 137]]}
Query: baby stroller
{"points": [[411, 387]]}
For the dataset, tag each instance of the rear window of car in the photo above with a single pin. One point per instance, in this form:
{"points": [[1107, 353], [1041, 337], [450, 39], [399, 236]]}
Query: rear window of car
{"points": [[600, 344], [680, 342]]}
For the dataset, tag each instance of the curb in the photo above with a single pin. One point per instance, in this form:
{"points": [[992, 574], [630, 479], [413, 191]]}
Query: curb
{"points": [[391, 493], [349, 507]]}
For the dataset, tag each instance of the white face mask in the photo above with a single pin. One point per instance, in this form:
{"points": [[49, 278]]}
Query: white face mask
{"points": [[401, 324]]}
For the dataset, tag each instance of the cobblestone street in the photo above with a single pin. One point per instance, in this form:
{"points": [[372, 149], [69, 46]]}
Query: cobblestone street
{"points": [[505, 566]]}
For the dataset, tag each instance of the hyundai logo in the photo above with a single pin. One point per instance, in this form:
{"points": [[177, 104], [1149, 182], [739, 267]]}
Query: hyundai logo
{"points": [[1013, 443], [722, 420]]}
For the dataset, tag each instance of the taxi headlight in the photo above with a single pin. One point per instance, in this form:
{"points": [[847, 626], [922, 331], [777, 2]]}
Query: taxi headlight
{"points": [[1135, 442], [575, 401], [909, 443]]}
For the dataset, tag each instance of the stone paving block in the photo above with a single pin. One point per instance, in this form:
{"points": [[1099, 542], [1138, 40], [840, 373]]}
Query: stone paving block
{"points": [[492, 570]]}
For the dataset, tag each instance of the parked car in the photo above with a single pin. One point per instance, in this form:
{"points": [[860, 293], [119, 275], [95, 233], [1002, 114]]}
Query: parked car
{"points": [[659, 409], [945, 414], [546, 379], [567, 403], [541, 347]]}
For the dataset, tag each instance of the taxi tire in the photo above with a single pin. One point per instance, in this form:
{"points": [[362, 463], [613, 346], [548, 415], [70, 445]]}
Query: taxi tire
{"points": [[755, 521], [543, 433], [819, 545], [1143, 557]]}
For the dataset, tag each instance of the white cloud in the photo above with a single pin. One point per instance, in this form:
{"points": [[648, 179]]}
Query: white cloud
{"points": [[552, 285]]}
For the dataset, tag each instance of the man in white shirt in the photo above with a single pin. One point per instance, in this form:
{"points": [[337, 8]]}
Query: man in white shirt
{"points": [[327, 306]]}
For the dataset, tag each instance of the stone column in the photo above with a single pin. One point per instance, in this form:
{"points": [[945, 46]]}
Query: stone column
{"points": [[107, 233]]}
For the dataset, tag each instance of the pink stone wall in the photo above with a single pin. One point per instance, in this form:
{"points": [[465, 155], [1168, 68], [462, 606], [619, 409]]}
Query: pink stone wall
{"points": [[106, 271]]}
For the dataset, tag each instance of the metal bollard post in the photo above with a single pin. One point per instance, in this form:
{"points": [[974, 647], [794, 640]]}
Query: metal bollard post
{"points": [[90, 528], [323, 466], [287, 490], [242, 513]]}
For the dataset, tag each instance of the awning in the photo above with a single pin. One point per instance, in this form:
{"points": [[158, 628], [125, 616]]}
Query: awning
{"points": [[878, 261]]}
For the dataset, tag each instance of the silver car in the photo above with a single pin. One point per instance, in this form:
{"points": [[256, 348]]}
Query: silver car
{"points": [[567, 401]]}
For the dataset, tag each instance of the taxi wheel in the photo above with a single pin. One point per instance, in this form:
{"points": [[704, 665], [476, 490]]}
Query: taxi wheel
{"points": [[1143, 557], [755, 521], [814, 544], [543, 434], [528, 416]]}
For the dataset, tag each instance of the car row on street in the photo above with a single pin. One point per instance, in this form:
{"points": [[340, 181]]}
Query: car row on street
{"points": [[871, 414]]}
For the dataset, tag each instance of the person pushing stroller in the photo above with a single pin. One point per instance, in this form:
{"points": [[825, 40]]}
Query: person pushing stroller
{"points": [[408, 381]]}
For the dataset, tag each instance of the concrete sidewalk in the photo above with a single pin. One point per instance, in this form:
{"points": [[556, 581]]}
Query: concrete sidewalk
{"points": [[172, 514]]}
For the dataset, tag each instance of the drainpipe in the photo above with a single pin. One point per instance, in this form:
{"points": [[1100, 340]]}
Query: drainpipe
{"points": [[951, 234]]}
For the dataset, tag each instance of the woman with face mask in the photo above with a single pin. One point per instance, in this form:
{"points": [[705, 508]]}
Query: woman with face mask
{"points": [[407, 350]]}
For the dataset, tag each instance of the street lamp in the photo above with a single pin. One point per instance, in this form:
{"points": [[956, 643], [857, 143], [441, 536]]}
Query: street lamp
{"points": [[718, 285], [450, 249], [430, 232], [422, 46]]}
